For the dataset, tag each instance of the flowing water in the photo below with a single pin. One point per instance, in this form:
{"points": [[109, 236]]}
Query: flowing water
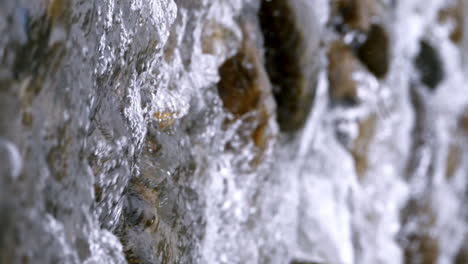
{"points": [[233, 131]]}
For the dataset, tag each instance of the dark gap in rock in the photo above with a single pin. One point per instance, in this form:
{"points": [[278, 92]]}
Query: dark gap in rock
{"points": [[285, 50], [462, 255], [97, 193], [374, 52], [429, 65], [33, 53]]}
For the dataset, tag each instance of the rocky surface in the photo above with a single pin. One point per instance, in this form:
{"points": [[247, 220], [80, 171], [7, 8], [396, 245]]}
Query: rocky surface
{"points": [[240, 131]]}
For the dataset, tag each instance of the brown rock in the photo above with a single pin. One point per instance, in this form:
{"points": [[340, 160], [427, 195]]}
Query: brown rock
{"points": [[423, 248], [55, 8], [57, 11], [375, 51], [27, 119], [453, 160], [360, 150], [244, 87], [420, 246], [341, 65], [357, 14], [154, 227], [239, 87], [463, 122], [455, 14], [291, 45], [164, 119], [462, 256], [142, 224]]}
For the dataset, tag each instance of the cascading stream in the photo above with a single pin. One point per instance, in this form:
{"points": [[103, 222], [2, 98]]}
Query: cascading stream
{"points": [[233, 131]]}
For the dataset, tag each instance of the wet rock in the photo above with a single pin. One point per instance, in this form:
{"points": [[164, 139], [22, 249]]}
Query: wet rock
{"points": [[27, 119], [116, 112], [375, 51], [245, 89], [164, 119], [56, 9], [454, 159], [419, 244], [361, 145], [429, 65], [422, 249], [463, 122], [355, 14], [291, 46], [341, 65], [462, 255], [217, 39], [238, 87], [454, 13], [58, 167], [159, 224], [45, 46], [141, 215]]}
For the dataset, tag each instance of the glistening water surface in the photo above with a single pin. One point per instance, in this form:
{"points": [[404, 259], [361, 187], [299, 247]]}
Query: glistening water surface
{"points": [[233, 131]]}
